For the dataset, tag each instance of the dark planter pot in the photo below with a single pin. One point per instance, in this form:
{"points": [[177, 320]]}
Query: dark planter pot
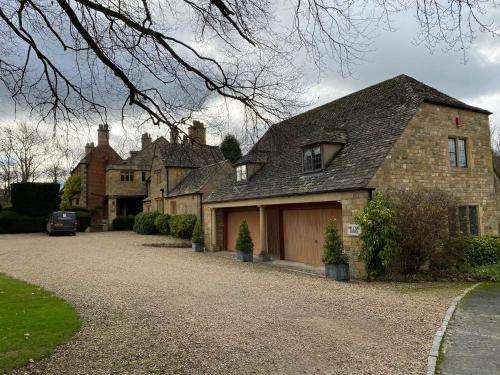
{"points": [[197, 247], [244, 256], [338, 272]]}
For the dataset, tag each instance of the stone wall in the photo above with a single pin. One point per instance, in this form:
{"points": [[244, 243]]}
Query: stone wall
{"points": [[186, 204], [420, 158], [116, 187]]}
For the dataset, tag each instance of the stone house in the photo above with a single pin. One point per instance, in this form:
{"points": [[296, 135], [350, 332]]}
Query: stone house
{"points": [[327, 163], [92, 172], [126, 181], [182, 173]]}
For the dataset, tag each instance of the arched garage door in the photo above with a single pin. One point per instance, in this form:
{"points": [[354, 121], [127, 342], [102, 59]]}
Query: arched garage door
{"points": [[234, 218], [304, 232]]}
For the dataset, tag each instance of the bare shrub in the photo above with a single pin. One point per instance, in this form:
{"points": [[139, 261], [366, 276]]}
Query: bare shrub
{"points": [[421, 217]]}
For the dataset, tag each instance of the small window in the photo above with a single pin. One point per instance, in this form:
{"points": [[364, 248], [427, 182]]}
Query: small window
{"points": [[463, 221], [158, 204], [312, 159], [241, 172], [457, 152], [127, 176], [158, 176], [173, 207], [143, 176]]}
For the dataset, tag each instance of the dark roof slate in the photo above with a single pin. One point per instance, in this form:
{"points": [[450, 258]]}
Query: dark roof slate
{"points": [[196, 180], [373, 119], [187, 155], [142, 158]]}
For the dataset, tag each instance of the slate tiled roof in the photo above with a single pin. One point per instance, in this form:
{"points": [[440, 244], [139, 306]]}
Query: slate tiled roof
{"points": [[372, 119], [196, 180], [142, 159], [187, 155]]}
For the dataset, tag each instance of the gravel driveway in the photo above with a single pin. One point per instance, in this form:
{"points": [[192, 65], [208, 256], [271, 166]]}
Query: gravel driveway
{"points": [[162, 310]]}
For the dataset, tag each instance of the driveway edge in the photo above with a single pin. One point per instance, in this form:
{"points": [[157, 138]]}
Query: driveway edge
{"points": [[438, 337]]}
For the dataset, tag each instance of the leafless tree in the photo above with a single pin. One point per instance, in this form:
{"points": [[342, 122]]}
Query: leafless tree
{"points": [[163, 60], [25, 151]]}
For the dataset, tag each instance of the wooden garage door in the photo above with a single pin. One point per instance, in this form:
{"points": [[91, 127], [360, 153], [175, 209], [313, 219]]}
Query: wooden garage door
{"points": [[304, 233], [234, 218]]}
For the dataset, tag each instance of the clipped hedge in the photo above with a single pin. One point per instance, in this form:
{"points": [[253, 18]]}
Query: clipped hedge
{"points": [[182, 226], [162, 224], [82, 220], [476, 251], [144, 222], [123, 223], [35, 199], [13, 222]]}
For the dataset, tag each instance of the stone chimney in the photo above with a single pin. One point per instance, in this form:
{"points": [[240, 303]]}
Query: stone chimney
{"points": [[174, 136], [145, 140], [103, 135], [89, 147], [197, 133]]}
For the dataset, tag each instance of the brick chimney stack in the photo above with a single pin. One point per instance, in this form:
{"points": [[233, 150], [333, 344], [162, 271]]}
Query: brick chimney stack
{"points": [[145, 140], [103, 135], [197, 133], [89, 147]]}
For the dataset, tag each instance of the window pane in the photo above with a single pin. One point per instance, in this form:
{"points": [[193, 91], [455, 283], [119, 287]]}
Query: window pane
{"points": [[453, 155], [452, 221], [462, 214], [462, 153], [312, 159], [473, 221], [308, 160]]}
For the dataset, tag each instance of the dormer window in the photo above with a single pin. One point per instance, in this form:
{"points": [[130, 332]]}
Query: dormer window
{"points": [[312, 159], [241, 172]]}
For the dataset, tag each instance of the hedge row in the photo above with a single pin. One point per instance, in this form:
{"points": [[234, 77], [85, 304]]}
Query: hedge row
{"points": [[123, 223], [475, 251], [35, 199], [13, 222], [180, 226]]}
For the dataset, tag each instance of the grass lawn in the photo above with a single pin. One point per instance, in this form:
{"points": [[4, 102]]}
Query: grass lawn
{"points": [[32, 322]]}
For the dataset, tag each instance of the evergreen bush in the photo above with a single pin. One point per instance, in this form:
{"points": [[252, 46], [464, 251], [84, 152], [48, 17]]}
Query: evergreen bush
{"points": [[123, 223], [35, 199], [13, 222], [144, 222], [334, 249], [197, 233], [244, 242], [182, 226], [162, 224]]}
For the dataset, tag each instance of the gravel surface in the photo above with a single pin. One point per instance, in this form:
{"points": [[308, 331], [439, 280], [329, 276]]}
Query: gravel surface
{"points": [[168, 310]]}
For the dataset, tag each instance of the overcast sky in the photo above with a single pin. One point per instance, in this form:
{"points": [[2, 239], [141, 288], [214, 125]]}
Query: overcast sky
{"points": [[476, 82]]}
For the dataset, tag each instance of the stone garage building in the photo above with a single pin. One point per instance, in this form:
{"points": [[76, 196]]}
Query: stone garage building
{"points": [[327, 162]]}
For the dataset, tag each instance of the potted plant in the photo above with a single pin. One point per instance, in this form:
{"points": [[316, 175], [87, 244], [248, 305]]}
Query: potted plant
{"points": [[244, 244], [336, 261], [197, 237]]}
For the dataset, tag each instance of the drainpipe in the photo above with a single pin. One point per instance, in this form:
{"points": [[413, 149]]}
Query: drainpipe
{"points": [[200, 195], [162, 200]]}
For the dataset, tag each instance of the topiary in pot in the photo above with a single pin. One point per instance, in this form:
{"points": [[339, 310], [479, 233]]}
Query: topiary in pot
{"points": [[197, 238], [336, 261], [244, 244]]}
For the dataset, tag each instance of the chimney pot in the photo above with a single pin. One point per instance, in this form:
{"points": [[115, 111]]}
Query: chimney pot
{"points": [[103, 135]]}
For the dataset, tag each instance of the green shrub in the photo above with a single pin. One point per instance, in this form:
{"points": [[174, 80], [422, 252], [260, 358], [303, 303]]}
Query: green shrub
{"points": [[13, 222], [333, 252], [123, 223], [244, 242], [197, 233], [182, 226], [476, 251], [162, 224], [82, 220], [378, 234], [72, 186], [144, 222], [35, 199]]}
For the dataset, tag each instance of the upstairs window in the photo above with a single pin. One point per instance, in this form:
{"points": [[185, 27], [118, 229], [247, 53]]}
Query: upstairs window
{"points": [[457, 152], [463, 221], [312, 159], [241, 173], [127, 176], [158, 176], [143, 176]]}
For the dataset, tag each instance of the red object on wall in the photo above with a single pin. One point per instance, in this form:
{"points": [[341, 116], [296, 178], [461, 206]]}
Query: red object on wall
{"points": [[458, 121]]}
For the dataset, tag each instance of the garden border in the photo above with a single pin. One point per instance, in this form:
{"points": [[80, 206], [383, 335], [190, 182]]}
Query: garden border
{"points": [[439, 336]]}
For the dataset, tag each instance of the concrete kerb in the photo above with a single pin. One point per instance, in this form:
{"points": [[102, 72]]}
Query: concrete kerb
{"points": [[438, 337]]}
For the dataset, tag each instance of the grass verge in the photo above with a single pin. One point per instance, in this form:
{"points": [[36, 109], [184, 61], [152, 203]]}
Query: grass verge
{"points": [[32, 322]]}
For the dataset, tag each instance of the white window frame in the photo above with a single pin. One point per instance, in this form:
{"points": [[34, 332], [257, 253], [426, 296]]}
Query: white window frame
{"points": [[241, 173]]}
